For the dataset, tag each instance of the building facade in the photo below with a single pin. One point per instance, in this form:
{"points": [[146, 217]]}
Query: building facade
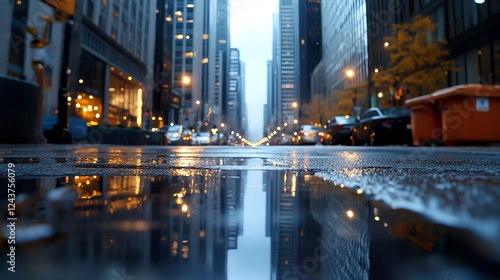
{"points": [[16, 55], [200, 61], [166, 104], [288, 61], [233, 97], [115, 81], [109, 45], [310, 46], [345, 44]]}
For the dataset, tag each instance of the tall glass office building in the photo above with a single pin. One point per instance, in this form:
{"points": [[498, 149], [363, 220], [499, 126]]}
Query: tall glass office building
{"points": [[345, 42], [288, 56]]}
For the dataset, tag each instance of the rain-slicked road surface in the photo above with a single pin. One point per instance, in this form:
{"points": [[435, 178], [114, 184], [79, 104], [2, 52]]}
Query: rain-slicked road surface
{"points": [[316, 212]]}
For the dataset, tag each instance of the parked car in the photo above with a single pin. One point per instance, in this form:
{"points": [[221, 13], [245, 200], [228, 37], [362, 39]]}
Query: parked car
{"points": [[339, 130], [310, 134], [77, 127], [203, 138], [382, 126], [178, 134]]}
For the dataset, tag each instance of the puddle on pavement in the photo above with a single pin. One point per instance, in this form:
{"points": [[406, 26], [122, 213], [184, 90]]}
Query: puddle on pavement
{"points": [[206, 224]]}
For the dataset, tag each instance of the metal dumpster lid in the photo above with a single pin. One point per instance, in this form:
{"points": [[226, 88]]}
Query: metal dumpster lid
{"points": [[460, 90]]}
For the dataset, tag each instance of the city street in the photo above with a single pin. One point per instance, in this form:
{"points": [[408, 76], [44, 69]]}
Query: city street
{"points": [[216, 212]]}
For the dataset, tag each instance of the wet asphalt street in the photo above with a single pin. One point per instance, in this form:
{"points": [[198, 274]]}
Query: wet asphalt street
{"points": [[314, 212]]}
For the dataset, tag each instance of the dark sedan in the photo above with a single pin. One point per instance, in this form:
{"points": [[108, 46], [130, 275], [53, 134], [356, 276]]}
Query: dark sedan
{"points": [[382, 126], [339, 129]]}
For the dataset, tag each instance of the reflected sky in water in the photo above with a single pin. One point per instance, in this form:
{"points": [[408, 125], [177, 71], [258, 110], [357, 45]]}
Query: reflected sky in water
{"points": [[230, 224]]}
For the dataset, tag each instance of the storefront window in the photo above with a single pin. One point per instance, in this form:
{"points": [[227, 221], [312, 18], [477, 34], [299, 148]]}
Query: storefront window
{"points": [[125, 101], [88, 103], [88, 107]]}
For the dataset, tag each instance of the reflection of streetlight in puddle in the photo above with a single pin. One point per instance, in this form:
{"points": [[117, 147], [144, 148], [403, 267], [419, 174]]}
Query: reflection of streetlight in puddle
{"points": [[350, 214], [350, 156]]}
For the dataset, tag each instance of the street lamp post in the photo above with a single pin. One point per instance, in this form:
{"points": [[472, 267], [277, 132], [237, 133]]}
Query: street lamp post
{"points": [[295, 106], [186, 80], [199, 121], [355, 108]]}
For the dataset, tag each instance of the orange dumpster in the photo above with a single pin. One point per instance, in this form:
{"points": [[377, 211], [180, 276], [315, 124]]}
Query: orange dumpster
{"points": [[456, 115], [469, 113], [425, 119]]}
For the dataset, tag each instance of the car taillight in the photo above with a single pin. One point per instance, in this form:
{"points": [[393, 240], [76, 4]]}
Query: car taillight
{"points": [[388, 122], [303, 133], [338, 128]]}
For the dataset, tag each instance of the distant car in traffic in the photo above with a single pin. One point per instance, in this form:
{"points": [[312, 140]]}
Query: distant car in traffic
{"points": [[286, 139], [339, 130], [178, 134], [382, 126], [310, 134], [203, 138]]}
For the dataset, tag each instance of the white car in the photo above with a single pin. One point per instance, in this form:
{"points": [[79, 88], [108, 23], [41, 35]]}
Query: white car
{"points": [[202, 138], [310, 134]]}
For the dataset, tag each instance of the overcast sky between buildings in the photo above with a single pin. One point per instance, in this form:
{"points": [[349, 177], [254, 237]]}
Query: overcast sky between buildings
{"points": [[251, 33]]}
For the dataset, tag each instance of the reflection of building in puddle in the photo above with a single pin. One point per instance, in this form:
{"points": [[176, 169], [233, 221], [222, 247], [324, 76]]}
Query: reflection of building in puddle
{"points": [[167, 220], [294, 233], [345, 234]]}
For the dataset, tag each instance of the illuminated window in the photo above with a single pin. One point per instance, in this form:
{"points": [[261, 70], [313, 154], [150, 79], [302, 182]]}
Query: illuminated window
{"points": [[222, 41], [179, 36], [205, 60], [205, 36], [189, 54], [178, 13], [190, 5]]}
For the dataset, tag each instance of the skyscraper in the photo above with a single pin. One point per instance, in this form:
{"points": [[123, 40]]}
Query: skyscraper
{"points": [[310, 45], [200, 59], [166, 104], [288, 60], [345, 44]]}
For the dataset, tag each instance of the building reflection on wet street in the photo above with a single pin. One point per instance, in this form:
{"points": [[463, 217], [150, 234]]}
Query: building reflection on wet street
{"points": [[183, 226]]}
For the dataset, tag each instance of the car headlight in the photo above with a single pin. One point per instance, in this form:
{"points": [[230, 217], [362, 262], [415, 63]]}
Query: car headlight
{"points": [[175, 135]]}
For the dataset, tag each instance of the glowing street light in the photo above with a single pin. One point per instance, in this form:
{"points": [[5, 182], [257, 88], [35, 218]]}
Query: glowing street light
{"points": [[349, 73], [479, 1], [186, 80]]}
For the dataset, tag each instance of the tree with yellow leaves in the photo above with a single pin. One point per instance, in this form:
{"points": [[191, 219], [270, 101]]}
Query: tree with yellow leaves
{"points": [[418, 60], [318, 110]]}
